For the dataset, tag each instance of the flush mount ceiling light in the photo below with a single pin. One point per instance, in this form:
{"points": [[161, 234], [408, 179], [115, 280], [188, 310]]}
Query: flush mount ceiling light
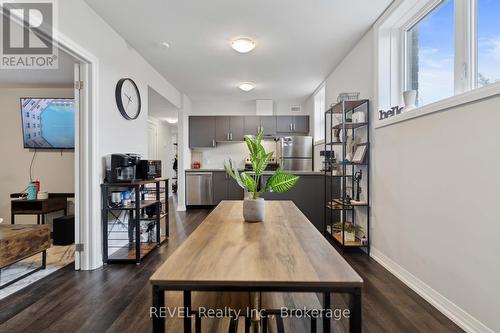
{"points": [[246, 86], [165, 45], [243, 44], [171, 120]]}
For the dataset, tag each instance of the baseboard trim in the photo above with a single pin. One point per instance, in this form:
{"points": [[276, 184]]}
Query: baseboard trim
{"points": [[456, 314]]}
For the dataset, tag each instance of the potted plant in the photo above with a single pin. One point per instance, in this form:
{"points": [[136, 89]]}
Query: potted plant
{"points": [[254, 207], [350, 230]]}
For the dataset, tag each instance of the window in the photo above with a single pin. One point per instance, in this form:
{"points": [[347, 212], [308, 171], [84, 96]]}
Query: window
{"points": [[319, 114], [440, 48], [488, 42], [430, 55]]}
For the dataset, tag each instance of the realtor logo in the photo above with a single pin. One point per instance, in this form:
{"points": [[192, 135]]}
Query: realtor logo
{"points": [[27, 34]]}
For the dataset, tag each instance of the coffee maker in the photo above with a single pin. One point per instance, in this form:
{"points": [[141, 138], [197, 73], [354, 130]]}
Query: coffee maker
{"points": [[121, 167]]}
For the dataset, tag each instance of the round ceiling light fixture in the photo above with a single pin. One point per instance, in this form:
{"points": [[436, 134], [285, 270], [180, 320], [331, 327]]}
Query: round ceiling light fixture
{"points": [[243, 44], [165, 45], [246, 86], [172, 120]]}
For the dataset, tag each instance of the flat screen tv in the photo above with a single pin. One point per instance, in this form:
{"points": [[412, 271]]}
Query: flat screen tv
{"points": [[48, 123]]}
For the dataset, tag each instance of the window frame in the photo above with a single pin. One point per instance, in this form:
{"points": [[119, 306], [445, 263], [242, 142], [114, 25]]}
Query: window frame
{"points": [[319, 119], [391, 57], [421, 14]]}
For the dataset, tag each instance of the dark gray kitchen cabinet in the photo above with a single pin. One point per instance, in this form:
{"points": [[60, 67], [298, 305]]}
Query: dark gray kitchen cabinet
{"points": [[268, 125], [220, 186], [237, 128], [301, 124], [254, 123], [308, 194], [202, 132], [284, 124], [293, 124], [229, 128], [234, 191], [226, 188]]}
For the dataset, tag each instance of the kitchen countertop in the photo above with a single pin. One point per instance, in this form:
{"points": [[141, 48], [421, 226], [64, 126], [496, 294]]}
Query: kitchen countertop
{"points": [[298, 173]]}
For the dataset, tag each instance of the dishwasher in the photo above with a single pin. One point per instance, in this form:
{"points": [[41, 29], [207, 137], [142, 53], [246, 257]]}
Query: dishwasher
{"points": [[199, 189]]}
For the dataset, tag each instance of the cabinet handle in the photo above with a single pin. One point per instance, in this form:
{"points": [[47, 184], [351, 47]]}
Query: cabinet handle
{"points": [[213, 143], [291, 127], [231, 136], [227, 136], [294, 126]]}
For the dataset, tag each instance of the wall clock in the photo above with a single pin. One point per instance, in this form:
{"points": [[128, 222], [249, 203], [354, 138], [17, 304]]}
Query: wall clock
{"points": [[128, 99]]}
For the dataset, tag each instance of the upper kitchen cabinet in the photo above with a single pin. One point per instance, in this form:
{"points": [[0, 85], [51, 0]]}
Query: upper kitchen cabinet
{"points": [[229, 128], [255, 123], [268, 125], [252, 125], [202, 132], [301, 124], [293, 124]]}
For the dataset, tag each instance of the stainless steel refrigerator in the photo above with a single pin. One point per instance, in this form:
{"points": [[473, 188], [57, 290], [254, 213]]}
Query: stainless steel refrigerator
{"points": [[296, 153]]}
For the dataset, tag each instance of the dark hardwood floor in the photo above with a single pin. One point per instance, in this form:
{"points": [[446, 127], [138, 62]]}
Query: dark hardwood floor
{"points": [[116, 298]]}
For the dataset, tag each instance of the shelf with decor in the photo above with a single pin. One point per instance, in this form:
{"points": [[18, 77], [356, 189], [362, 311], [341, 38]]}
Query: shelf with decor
{"points": [[135, 219], [346, 153]]}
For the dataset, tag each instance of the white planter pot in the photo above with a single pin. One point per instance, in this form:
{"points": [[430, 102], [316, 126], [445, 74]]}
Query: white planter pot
{"points": [[254, 210], [410, 98]]}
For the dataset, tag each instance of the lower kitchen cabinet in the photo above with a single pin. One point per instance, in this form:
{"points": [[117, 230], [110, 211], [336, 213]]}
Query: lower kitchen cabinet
{"points": [[308, 195], [226, 188]]}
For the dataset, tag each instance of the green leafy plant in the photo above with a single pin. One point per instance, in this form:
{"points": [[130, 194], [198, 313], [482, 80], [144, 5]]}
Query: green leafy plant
{"points": [[348, 227], [278, 182]]}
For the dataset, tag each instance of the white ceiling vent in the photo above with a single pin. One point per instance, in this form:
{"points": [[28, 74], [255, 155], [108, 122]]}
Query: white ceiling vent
{"points": [[296, 108], [264, 107]]}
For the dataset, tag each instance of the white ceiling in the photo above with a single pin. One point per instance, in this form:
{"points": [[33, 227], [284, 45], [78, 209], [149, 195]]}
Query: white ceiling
{"points": [[63, 76], [299, 41]]}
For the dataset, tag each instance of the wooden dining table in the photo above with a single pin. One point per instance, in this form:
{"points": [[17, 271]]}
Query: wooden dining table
{"points": [[284, 254]]}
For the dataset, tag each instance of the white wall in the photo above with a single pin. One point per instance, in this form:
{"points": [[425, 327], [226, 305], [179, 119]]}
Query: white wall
{"points": [[116, 60], [54, 169], [353, 74], [184, 160], [222, 107], [434, 193]]}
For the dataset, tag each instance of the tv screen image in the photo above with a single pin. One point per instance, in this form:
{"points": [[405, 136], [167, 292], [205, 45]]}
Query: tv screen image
{"points": [[48, 123]]}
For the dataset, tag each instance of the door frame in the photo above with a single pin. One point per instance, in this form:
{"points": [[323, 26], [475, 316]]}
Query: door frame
{"points": [[87, 166], [153, 126]]}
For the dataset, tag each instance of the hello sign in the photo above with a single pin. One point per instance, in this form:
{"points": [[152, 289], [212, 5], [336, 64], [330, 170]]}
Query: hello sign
{"points": [[395, 110]]}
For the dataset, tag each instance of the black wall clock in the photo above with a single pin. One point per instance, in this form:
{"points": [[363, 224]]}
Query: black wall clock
{"points": [[128, 99]]}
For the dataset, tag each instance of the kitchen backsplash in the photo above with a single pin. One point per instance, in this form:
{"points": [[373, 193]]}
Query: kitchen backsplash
{"points": [[238, 152]]}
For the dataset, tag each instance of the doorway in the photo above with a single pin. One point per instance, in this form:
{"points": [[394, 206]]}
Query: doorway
{"points": [[41, 113]]}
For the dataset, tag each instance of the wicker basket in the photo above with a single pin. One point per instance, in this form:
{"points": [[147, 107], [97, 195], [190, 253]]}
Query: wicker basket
{"points": [[351, 96]]}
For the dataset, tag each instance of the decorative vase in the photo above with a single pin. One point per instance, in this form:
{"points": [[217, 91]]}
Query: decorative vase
{"points": [[254, 210], [410, 98]]}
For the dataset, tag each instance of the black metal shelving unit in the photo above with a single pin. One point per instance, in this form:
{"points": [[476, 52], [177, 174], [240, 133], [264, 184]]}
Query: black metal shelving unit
{"points": [[340, 208], [144, 215]]}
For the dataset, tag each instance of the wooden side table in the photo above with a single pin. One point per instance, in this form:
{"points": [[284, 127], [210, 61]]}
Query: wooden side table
{"points": [[38, 207]]}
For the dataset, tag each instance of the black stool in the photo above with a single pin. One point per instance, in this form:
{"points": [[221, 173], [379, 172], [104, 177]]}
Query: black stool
{"points": [[63, 230]]}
